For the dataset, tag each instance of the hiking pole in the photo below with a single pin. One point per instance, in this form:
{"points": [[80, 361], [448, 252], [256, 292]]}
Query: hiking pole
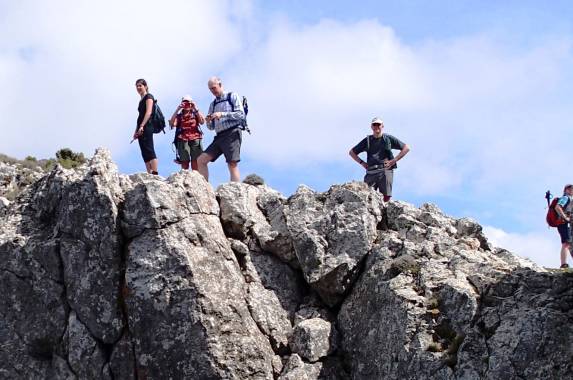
{"points": [[548, 196], [135, 137]]}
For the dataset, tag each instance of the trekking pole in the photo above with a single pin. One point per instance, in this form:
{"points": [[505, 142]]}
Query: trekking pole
{"points": [[135, 137], [548, 197]]}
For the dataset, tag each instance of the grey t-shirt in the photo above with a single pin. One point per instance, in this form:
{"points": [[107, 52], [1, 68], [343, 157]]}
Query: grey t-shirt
{"points": [[378, 149]]}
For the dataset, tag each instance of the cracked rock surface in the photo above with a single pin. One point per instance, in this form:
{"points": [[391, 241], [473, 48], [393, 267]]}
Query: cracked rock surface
{"points": [[108, 276]]}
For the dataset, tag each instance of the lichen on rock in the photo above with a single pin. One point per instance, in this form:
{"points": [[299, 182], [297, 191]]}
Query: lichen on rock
{"points": [[130, 277]]}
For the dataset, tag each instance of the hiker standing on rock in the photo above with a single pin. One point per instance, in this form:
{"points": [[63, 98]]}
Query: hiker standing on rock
{"points": [[186, 119], [226, 116], [380, 161], [144, 130], [564, 229]]}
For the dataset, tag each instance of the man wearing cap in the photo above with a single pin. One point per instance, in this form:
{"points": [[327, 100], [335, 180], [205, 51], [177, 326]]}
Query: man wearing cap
{"points": [[226, 116], [186, 119], [563, 209], [380, 161]]}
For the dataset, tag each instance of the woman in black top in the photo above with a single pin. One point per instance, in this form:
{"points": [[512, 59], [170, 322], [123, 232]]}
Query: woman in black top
{"points": [[144, 131]]}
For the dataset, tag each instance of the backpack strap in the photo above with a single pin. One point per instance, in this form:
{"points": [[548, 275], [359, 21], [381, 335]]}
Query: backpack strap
{"points": [[367, 143], [226, 99], [230, 102]]}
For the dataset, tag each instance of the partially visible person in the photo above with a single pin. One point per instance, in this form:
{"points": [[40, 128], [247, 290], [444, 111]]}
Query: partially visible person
{"points": [[144, 130], [226, 116], [563, 210], [380, 161], [186, 119]]}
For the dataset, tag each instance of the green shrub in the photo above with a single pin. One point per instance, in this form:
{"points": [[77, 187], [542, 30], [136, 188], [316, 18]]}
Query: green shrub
{"points": [[48, 164], [254, 179], [69, 159], [65, 157]]}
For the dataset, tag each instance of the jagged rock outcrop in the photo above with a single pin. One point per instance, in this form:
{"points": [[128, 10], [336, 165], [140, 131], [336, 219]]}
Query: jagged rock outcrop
{"points": [[332, 233], [15, 177], [108, 276]]}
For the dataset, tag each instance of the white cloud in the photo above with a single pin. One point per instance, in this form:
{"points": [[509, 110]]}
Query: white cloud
{"points": [[471, 108], [478, 112], [542, 247], [69, 67]]}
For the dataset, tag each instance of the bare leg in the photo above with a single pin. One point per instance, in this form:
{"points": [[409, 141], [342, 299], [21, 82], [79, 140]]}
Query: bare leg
{"points": [[148, 167], [234, 171], [153, 164], [564, 252], [202, 163]]}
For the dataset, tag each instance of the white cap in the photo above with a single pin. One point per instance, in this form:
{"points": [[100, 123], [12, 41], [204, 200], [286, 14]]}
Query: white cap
{"points": [[376, 120], [186, 98]]}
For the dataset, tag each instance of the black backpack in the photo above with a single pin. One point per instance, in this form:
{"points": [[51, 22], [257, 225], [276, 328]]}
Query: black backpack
{"points": [[244, 126], [157, 119]]}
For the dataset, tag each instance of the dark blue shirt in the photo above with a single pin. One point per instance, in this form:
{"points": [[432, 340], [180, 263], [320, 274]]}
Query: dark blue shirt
{"points": [[378, 149]]}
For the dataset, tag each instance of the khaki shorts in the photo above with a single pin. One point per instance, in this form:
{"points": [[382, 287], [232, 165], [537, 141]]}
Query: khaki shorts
{"points": [[189, 150]]}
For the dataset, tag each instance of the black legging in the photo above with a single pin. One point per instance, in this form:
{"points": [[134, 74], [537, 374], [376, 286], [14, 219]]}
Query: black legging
{"points": [[146, 144]]}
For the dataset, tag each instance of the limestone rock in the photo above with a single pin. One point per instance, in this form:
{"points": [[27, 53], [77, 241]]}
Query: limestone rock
{"points": [[107, 276], [16, 177], [277, 240], [313, 307], [332, 233], [90, 245], [417, 301], [519, 333], [122, 360], [314, 339], [297, 369], [239, 211], [244, 212], [33, 307], [61, 251], [86, 358], [274, 292], [154, 204], [183, 279]]}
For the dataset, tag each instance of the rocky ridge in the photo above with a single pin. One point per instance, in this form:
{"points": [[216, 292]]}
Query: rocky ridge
{"points": [[15, 177], [108, 276]]}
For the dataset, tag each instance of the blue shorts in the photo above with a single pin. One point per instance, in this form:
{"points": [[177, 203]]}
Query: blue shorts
{"points": [[565, 232]]}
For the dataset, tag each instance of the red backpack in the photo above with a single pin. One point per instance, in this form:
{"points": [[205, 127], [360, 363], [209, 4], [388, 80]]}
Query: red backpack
{"points": [[553, 219]]}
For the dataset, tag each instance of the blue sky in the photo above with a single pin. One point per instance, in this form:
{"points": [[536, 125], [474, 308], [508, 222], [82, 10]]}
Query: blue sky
{"points": [[480, 90]]}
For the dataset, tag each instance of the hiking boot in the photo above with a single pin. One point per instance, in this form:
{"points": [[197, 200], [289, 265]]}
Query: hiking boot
{"points": [[564, 266]]}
